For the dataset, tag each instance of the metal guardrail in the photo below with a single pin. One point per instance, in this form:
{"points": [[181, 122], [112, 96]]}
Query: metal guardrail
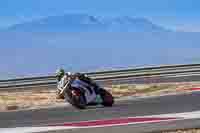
{"points": [[106, 75]]}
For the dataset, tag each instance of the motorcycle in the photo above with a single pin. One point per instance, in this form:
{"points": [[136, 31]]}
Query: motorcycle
{"points": [[76, 96]]}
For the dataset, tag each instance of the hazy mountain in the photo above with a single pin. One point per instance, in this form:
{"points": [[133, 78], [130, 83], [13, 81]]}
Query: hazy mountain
{"points": [[132, 25], [88, 43], [85, 23]]}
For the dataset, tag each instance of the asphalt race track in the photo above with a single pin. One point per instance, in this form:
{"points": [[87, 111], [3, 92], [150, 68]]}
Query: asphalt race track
{"points": [[127, 108]]}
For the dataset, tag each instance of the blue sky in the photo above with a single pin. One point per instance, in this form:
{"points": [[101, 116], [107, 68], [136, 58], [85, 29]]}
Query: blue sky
{"points": [[176, 14]]}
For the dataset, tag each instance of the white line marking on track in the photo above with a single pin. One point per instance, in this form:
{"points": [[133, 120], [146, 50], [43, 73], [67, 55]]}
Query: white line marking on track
{"points": [[56, 128], [176, 116], [33, 129]]}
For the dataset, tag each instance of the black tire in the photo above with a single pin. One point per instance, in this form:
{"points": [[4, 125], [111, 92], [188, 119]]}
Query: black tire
{"points": [[104, 95], [79, 102]]}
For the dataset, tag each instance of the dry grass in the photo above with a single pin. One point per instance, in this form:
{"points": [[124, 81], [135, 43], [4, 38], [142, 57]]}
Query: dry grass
{"points": [[185, 131], [150, 89], [24, 99], [44, 97]]}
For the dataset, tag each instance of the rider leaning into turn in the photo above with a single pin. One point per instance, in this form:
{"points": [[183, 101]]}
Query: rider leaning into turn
{"points": [[63, 78]]}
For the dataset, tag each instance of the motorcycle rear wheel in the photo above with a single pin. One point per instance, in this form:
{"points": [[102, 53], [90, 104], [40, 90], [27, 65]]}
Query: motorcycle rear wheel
{"points": [[108, 99]]}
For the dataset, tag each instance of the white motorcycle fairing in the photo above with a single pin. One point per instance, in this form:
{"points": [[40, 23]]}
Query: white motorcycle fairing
{"points": [[90, 97]]}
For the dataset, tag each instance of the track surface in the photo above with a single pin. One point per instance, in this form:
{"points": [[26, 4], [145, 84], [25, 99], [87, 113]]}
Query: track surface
{"points": [[129, 108]]}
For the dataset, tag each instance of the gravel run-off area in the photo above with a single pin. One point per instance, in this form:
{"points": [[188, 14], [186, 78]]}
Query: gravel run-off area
{"points": [[40, 97]]}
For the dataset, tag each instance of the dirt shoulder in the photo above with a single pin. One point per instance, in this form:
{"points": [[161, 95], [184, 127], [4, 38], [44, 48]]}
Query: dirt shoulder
{"points": [[184, 131], [43, 97]]}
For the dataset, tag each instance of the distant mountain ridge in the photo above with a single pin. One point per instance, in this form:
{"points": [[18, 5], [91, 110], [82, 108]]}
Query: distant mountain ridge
{"points": [[103, 43], [85, 23]]}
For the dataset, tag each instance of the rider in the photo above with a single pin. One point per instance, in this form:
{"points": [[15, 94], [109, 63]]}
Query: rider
{"points": [[63, 78], [61, 81]]}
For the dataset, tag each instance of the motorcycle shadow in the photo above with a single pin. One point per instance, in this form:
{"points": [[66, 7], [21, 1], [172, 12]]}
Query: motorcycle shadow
{"points": [[99, 106], [95, 107]]}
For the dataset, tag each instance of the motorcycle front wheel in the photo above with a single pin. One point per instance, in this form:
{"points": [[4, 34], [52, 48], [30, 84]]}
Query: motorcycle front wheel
{"points": [[77, 100]]}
